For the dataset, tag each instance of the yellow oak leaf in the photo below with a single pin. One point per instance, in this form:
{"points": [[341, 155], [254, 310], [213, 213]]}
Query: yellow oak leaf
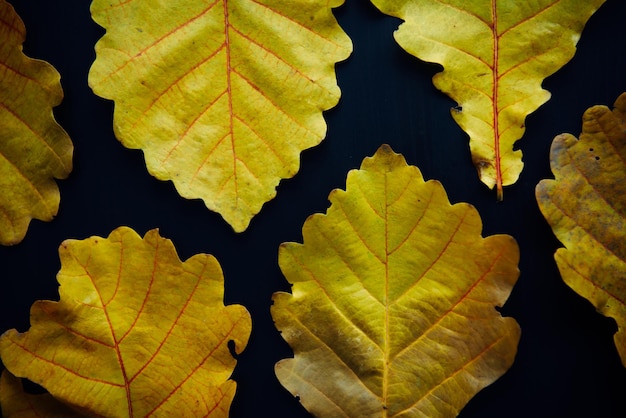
{"points": [[17, 403], [586, 207], [394, 294], [221, 96], [136, 332], [34, 149], [495, 55]]}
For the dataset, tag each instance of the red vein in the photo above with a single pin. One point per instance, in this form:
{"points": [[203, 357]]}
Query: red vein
{"points": [[494, 99], [332, 301], [34, 132], [26, 76], [162, 38], [147, 294], [175, 83], [268, 145], [439, 255], [117, 347], [584, 228], [281, 110], [313, 335], [119, 4], [596, 285], [216, 404], [532, 16], [358, 234], [467, 12], [230, 96], [206, 159], [72, 330], [358, 185], [67, 369], [174, 323], [249, 170], [14, 25], [119, 277], [338, 408], [5, 213], [414, 227], [196, 368], [470, 55], [457, 371], [19, 171], [451, 309], [278, 57], [279, 13]]}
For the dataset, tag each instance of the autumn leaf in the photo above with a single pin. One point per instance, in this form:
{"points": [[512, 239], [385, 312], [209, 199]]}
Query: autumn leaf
{"points": [[136, 332], [221, 96], [17, 403], [394, 294], [34, 149], [586, 207], [495, 56]]}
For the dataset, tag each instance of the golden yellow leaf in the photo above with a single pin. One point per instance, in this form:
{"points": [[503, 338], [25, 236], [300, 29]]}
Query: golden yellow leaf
{"points": [[495, 55], [34, 149], [17, 403], [394, 294], [221, 96], [136, 331], [586, 207]]}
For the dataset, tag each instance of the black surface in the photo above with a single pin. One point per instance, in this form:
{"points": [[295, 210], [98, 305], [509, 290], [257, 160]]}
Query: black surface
{"points": [[566, 365]]}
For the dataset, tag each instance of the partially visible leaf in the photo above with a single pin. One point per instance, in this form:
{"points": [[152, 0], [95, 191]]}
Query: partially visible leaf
{"points": [[34, 149], [222, 96], [17, 403], [136, 331], [495, 55], [392, 312], [586, 207]]}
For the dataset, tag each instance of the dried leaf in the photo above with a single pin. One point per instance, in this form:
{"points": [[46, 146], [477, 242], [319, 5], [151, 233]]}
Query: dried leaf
{"points": [[392, 312], [16, 403], [34, 149], [136, 331], [495, 56], [586, 207], [222, 96]]}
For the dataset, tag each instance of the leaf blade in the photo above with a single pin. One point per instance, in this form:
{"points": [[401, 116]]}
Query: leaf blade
{"points": [[361, 318], [14, 402], [34, 149], [495, 56], [112, 344], [586, 210], [227, 122]]}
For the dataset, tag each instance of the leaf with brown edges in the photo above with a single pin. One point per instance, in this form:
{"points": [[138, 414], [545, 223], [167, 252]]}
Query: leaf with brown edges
{"points": [[585, 205], [394, 295]]}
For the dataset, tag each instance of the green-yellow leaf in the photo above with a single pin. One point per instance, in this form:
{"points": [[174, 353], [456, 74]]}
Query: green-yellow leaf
{"points": [[17, 403], [586, 207], [221, 96], [136, 331], [394, 294], [34, 149], [495, 55]]}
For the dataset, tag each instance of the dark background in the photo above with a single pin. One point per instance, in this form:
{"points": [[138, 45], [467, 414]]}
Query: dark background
{"points": [[566, 364]]}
